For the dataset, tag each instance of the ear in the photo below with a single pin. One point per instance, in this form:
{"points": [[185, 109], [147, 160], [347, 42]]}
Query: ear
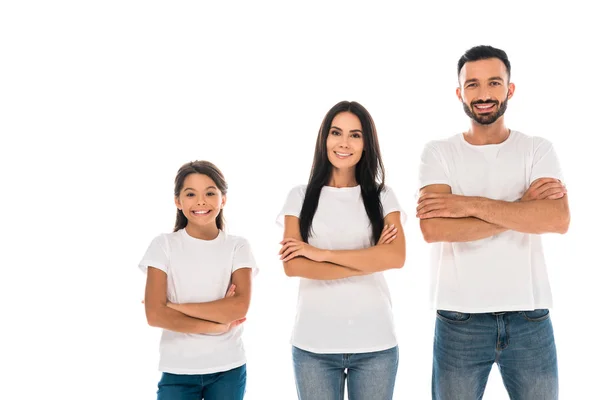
{"points": [[511, 90], [178, 203], [458, 94], [223, 201]]}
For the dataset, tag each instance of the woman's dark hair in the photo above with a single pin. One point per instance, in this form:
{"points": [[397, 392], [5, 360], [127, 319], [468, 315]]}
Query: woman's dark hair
{"points": [[369, 171], [483, 53], [199, 167]]}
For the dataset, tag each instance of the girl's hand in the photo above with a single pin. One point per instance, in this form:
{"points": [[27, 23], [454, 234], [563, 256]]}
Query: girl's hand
{"points": [[388, 234], [292, 248], [224, 328]]}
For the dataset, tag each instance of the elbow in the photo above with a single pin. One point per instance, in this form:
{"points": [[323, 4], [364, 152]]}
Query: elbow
{"points": [[289, 269], [563, 227], [153, 318], [429, 232]]}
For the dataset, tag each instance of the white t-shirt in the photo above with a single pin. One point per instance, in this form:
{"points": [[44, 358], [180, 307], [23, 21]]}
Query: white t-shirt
{"points": [[504, 272], [199, 271], [349, 315]]}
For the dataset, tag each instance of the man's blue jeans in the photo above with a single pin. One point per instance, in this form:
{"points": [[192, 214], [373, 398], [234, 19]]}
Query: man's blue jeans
{"points": [[467, 345]]}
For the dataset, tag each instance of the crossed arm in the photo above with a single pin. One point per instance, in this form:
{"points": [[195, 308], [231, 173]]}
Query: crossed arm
{"points": [[453, 218], [213, 317], [303, 260]]}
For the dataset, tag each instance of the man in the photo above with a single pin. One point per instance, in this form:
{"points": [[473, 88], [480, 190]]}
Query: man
{"points": [[486, 196]]}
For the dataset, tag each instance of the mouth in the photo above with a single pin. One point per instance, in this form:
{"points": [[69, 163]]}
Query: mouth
{"points": [[201, 212], [342, 156], [485, 107]]}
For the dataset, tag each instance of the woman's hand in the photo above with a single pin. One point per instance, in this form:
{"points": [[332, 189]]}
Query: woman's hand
{"points": [[388, 234], [292, 248]]}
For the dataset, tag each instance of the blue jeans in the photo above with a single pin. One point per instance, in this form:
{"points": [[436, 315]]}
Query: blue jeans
{"points": [[371, 376], [520, 342], [227, 385]]}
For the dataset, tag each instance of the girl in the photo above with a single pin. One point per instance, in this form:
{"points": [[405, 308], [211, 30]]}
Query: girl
{"points": [[198, 290], [340, 232]]}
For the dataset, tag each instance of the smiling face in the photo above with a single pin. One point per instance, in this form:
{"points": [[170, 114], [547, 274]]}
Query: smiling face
{"points": [[200, 200], [345, 141], [484, 90]]}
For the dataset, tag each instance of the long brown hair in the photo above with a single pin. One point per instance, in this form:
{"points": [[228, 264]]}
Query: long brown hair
{"points": [[369, 171], [199, 167]]}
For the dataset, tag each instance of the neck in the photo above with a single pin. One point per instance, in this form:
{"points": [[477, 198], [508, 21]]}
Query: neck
{"points": [[342, 178], [487, 134], [209, 232]]}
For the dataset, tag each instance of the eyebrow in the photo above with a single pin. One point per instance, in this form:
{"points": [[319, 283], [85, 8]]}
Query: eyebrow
{"points": [[209, 187], [352, 130], [493, 78]]}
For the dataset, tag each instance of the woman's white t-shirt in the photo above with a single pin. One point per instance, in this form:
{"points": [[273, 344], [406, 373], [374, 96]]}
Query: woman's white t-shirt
{"points": [[199, 271], [349, 315]]}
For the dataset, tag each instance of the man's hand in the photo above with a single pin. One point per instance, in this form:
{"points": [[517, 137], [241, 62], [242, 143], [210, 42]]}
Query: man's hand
{"points": [[444, 205], [545, 189]]}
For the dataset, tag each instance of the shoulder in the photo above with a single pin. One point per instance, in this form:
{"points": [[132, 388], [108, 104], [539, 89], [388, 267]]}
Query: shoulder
{"points": [[534, 143], [443, 145]]}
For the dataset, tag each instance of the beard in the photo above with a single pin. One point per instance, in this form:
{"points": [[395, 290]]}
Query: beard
{"points": [[486, 119]]}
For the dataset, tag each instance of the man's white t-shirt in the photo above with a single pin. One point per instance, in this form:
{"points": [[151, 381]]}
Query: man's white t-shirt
{"points": [[349, 315], [199, 271], [504, 272]]}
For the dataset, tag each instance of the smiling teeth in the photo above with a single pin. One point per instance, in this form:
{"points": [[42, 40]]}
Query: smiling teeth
{"points": [[343, 154], [200, 212]]}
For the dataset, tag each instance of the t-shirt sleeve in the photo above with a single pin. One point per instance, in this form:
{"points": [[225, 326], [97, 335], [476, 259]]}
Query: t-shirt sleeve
{"points": [[545, 161], [431, 168], [243, 257], [293, 204], [389, 203], [156, 256]]}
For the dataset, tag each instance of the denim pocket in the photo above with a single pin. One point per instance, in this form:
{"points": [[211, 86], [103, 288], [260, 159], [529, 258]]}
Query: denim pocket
{"points": [[453, 316], [537, 315]]}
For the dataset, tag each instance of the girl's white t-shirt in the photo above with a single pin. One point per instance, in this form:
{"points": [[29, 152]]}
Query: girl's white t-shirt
{"points": [[349, 315], [199, 271]]}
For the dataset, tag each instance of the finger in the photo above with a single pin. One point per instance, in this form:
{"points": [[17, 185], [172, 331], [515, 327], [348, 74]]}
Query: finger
{"points": [[287, 246], [431, 196], [287, 240], [428, 203], [556, 196], [385, 236], [390, 240], [291, 256], [541, 181], [430, 208], [289, 251], [550, 192]]}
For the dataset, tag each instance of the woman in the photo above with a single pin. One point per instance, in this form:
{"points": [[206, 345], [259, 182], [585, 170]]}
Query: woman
{"points": [[340, 232]]}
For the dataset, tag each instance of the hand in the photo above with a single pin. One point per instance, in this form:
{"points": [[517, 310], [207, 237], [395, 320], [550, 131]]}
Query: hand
{"points": [[545, 189], [445, 205], [230, 291], [388, 234], [292, 248], [224, 328]]}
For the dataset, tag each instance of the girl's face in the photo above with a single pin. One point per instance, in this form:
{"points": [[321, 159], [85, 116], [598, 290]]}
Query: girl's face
{"points": [[200, 200], [345, 141]]}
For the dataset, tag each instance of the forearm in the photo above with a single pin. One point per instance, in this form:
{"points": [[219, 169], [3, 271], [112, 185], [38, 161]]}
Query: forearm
{"points": [[222, 311], [369, 260], [305, 268], [457, 229], [537, 216], [173, 320]]}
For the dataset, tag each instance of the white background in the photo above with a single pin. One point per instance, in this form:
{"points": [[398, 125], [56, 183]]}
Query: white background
{"points": [[101, 102]]}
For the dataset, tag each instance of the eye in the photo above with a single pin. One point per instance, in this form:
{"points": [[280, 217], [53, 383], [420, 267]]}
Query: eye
{"points": [[211, 194], [495, 83], [471, 85], [334, 133], [190, 195], [356, 135]]}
